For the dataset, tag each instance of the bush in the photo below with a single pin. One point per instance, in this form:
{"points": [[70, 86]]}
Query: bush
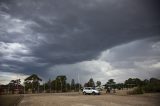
{"points": [[152, 88], [137, 90]]}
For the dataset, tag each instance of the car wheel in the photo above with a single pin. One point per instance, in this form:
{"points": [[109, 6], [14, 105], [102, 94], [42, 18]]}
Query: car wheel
{"points": [[93, 93]]}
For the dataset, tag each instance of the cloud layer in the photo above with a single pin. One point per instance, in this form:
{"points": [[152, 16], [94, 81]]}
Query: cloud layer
{"points": [[40, 36], [135, 59]]}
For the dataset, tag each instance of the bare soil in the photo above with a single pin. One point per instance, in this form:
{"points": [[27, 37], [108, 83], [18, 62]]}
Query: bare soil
{"points": [[75, 99], [10, 100]]}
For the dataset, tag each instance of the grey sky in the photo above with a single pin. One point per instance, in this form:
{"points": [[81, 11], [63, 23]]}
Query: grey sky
{"points": [[44, 36]]}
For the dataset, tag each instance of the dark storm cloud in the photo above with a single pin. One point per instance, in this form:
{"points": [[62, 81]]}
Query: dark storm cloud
{"points": [[69, 31]]}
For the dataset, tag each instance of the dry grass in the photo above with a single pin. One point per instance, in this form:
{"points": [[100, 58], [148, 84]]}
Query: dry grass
{"points": [[90, 100]]}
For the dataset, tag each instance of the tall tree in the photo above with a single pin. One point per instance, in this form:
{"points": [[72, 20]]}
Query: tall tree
{"points": [[90, 83], [131, 82], [14, 84], [49, 85], [68, 87], [111, 83], [98, 83], [72, 84], [78, 86], [61, 83], [53, 85], [32, 82]]}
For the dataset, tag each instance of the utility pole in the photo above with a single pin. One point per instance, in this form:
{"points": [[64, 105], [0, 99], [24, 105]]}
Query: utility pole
{"points": [[79, 83]]}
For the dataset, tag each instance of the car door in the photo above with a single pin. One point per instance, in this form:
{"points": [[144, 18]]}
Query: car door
{"points": [[86, 90], [90, 90]]}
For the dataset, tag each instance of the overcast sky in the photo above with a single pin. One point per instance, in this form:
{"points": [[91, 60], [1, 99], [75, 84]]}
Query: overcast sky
{"points": [[101, 39]]}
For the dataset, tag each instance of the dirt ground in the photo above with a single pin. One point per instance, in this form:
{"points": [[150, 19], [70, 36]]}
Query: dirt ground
{"points": [[10, 100], [90, 100]]}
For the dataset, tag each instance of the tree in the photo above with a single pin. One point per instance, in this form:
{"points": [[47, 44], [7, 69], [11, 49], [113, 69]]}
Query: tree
{"points": [[86, 84], [61, 83], [53, 85], [14, 84], [90, 83], [49, 85], [72, 84], [68, 86], [32, 82], [77, 86], [98, 83], [120, 86], [153, 85], [111, 83], [132, 82]]}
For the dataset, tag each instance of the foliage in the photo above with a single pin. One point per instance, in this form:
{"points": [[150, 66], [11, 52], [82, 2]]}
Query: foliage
{"points": [[14, 84], [61, 83], [110, 81], [72, 84], [133, 82], [120, 86], [90, 83], [32, 82], [77, 86], [152, 86], [98, 83], [68, 87], [137, 90], [148, 86], [110, 84]]}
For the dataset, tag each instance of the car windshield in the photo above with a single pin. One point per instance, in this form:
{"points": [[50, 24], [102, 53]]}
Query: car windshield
{"points": [[94, 88], [90, 88]]}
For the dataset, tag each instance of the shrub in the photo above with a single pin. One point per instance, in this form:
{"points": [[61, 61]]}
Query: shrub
{"points": [[137, 90], [152, 88]]}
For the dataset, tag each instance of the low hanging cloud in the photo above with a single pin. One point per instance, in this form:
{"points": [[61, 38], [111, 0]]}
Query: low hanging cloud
{"points": [[134, 59], [36, 36]]}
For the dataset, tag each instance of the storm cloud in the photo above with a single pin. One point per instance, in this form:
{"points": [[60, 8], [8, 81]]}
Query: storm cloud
{"points": [[37, 36]]}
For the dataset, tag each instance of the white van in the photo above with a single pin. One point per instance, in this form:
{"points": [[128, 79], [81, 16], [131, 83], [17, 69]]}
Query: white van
{"points": [[90, 90]]}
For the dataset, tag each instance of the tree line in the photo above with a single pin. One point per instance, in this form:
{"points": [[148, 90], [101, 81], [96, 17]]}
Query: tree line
{"points": [[60, 84]]}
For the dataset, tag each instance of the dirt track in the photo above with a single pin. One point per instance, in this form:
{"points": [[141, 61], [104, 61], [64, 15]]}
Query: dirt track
{"points": [[90, 100]]}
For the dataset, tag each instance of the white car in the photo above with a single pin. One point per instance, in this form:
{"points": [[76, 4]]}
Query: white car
{"points": [[90, 90]]}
